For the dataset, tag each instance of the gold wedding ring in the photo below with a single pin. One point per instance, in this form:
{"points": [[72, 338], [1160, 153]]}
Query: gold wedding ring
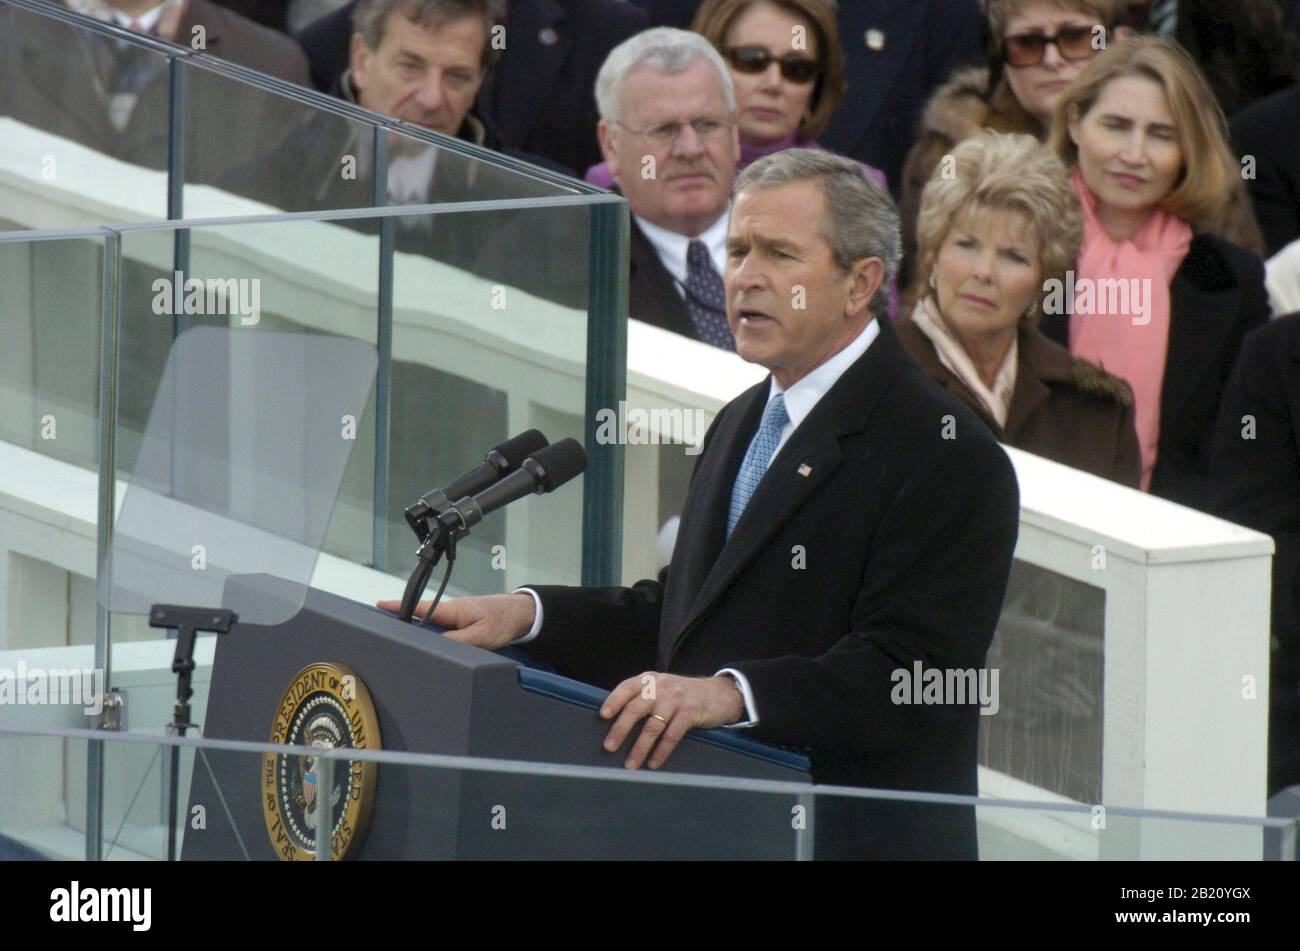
{"points": [[656, 716]]}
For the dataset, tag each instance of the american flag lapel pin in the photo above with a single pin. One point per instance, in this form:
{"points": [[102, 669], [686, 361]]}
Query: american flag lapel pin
{"points": [[805, 470]]}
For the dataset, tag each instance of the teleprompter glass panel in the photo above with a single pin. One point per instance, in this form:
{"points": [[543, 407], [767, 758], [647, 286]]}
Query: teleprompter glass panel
{"points": [[239, 467]]}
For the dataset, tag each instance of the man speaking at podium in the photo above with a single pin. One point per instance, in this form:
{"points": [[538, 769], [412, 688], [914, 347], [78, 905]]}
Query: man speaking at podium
{"points": [[846, 520]]}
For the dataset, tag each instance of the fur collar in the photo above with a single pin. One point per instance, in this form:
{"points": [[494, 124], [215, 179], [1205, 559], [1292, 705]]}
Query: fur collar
{"points": [[964, 106]]}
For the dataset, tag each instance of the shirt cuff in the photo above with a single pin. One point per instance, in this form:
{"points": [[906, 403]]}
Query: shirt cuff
{"points": [[537, 617], [751, 712]]}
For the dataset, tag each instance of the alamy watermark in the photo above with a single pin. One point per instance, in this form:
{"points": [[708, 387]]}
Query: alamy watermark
{"points": [[633, 426], [946, 686], [214, 297], [39, 686], [78, 904], [1099, 297]]}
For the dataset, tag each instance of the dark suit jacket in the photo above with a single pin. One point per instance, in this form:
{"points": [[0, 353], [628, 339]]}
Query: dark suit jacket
{"points": [[241, 40], [907, 540], [925, 41], [1217, 297], [678, 13], [1062, 408], [541, 95], [1256, 482], [1241, 47], [1270, 131], [273, 14], [55, 77], [651, 291]]}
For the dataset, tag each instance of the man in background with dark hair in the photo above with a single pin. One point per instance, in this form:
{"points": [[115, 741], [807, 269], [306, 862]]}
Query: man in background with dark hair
{"points": [[539, 96], [423, 62], [420, 61]]}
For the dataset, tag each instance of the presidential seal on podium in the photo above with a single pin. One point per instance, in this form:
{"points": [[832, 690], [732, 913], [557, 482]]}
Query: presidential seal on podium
{"points": [[328, 707]]}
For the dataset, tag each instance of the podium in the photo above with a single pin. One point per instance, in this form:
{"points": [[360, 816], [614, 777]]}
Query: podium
{"points": [[431, 694], [234, 484]]}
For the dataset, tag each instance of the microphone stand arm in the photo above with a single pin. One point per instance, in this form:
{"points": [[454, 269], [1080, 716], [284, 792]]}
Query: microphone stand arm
{"points": [[449, 527]]}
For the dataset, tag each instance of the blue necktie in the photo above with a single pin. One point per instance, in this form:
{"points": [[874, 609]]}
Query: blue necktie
{"points": [[757, 458], [706, 299]]}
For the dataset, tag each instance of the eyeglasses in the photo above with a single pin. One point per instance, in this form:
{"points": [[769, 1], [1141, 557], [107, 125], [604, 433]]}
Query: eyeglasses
{"points": [[706, 127], [1072, 42], [755, 59]]}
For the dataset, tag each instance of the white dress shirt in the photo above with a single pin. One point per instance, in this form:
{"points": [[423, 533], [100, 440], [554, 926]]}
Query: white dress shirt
{"points": [[1282, 278], [409, 176], [671, 247], [800, 399]]}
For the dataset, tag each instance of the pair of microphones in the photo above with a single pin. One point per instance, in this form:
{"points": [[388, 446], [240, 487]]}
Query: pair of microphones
{"points": [[520, 466], [524, 465]]}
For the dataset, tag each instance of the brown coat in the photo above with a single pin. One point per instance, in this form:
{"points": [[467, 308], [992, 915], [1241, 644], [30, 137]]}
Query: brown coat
{"points": [[1063, 408]]}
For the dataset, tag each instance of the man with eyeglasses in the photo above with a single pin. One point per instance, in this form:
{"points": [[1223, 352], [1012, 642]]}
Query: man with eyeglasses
{"points": [[668, 133]]}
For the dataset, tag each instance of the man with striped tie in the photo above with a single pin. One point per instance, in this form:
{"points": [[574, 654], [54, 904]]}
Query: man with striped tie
{"points": [[669, 135], [847, 519]]}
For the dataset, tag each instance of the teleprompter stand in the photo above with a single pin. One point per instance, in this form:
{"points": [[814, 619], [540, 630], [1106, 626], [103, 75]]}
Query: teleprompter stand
{"points": [[187, 622]]}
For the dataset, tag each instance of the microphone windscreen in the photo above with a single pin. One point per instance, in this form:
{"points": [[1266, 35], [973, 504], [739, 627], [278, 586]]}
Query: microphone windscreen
{"points": [[562, 461], [520, 447]]}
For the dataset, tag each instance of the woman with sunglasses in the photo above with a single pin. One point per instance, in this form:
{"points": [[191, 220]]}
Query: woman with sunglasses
{"points": [[1037, 47], [787, 68], [1161, 195]]}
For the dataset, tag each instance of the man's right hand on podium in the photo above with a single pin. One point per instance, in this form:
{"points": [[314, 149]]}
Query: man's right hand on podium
{"points": [[489, 622]]}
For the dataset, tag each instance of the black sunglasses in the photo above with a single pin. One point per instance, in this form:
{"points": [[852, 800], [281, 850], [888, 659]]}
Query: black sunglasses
{"points": [[1072, 42], [755, 59]]}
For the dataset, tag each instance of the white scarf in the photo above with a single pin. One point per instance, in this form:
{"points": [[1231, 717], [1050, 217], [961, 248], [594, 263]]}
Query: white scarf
{"points": [[997, 401]]}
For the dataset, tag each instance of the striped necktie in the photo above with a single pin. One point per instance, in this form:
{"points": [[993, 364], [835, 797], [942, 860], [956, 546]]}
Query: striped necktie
{"points": [[706, 299]]}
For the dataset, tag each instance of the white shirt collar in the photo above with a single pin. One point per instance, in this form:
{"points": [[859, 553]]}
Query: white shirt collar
{"points": [[410, 175], [805, 393], [671, 246], [145, 22]]}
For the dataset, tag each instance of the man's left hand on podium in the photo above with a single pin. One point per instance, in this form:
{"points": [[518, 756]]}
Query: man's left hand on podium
{"points": [[670, 705]]}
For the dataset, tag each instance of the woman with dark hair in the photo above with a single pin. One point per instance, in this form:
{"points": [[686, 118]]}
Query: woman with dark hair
{"points": [[1162, 295]]}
